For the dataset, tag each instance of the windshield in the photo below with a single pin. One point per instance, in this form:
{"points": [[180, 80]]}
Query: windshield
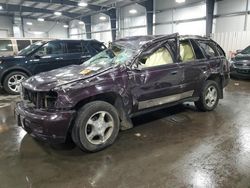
{"points": [[111, 56], [29, 49], [246, 50]]}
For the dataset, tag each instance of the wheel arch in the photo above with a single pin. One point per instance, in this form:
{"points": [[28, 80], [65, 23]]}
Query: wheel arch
{"points": [[218, 79], [113, 99]]}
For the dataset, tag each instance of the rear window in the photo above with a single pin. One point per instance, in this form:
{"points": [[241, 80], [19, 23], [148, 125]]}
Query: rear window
{"points": [[21, 44], [98, 47], [74, 47], [6, 46], [208, 48], [219, 49]]}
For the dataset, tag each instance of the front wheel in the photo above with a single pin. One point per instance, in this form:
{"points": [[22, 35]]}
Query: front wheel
{"points": [[12, 82], [209, 96], [96, 126]]}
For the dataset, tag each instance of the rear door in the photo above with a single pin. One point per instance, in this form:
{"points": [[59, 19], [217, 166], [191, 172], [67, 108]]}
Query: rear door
{"points": [[194, 65], [77, 53]]}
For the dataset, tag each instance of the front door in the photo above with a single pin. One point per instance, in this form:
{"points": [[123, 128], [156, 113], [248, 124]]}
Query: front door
{"points": [[158, 79], [48, 57]]}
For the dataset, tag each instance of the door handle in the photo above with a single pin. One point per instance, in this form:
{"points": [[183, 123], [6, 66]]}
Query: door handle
{"points": [[174, 72]]}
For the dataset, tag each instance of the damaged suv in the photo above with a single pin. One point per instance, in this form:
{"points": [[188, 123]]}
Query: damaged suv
{"points": [[91, 102]]}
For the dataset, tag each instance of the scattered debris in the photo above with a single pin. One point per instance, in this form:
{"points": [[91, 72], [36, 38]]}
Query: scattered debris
{"points": [[138, 134], [178, 119], [236, 84]]}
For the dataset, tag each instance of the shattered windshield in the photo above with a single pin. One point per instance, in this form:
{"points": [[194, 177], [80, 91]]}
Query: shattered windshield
{"points": [[111, 56], [29, 49]]}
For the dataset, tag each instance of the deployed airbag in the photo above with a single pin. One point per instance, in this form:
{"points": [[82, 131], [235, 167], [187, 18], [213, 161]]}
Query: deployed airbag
{"points": [[160, 57]]}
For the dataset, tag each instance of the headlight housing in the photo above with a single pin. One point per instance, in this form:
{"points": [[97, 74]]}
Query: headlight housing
{"points": [[50, 100]]}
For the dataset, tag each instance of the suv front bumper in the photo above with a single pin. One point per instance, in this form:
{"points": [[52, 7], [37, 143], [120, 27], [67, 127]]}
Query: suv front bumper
{"points": [[47, 126]]}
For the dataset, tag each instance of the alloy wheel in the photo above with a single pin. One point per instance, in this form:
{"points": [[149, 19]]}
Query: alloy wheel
{"points": [[14, 82], [211, 96], [99, 127]]}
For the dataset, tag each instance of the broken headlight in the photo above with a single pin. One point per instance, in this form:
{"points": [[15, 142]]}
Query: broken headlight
{"points": [[50, 100]]}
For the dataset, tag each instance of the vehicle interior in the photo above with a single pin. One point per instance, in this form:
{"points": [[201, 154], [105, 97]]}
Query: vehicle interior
{"points": [[186, 52], [162, 56]]}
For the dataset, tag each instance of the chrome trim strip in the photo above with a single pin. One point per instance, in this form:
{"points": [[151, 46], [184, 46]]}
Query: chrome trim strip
{"points": [[164, 100]]}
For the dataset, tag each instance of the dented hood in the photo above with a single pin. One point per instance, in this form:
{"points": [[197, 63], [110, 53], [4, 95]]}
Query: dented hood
{"points": [[49, 80]]}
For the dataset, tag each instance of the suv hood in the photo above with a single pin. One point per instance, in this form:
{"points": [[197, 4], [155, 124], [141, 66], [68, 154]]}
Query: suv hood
{"points": [[58, 77]]}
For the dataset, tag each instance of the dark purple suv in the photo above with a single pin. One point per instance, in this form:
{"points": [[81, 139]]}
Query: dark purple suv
{"points": [[91, 102]]}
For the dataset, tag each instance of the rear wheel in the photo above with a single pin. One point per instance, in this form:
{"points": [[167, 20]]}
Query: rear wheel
{"points": [[96, 126], [209, 96], [13, 81]]}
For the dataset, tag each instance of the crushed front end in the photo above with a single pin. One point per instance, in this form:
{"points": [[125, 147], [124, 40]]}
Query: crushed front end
{"points": [[36, 114]]}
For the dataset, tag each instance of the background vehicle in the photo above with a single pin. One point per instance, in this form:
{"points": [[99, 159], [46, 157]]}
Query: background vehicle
{"points": [[240, 64], [44, 56], [11, 46], [93, 101]]}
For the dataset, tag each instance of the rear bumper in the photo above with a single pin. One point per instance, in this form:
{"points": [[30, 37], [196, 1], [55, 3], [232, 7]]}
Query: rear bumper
{"points": [[47, 126]]}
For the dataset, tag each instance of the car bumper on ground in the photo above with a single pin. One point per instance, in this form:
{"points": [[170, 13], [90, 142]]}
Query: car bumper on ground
{"points": [[47, 126]]}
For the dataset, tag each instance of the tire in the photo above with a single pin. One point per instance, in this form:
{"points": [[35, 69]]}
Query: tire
{"points": [[209, 96], [89, 132], [10, 78]]}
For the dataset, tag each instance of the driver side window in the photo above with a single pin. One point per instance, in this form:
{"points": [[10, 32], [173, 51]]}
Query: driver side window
{"points": [[51, 48], [160, 57]]}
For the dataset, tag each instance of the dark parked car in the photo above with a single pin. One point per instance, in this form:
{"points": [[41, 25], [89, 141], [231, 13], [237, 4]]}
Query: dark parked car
{"points": [[44, 56], [91, 102], [240, 64]]}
